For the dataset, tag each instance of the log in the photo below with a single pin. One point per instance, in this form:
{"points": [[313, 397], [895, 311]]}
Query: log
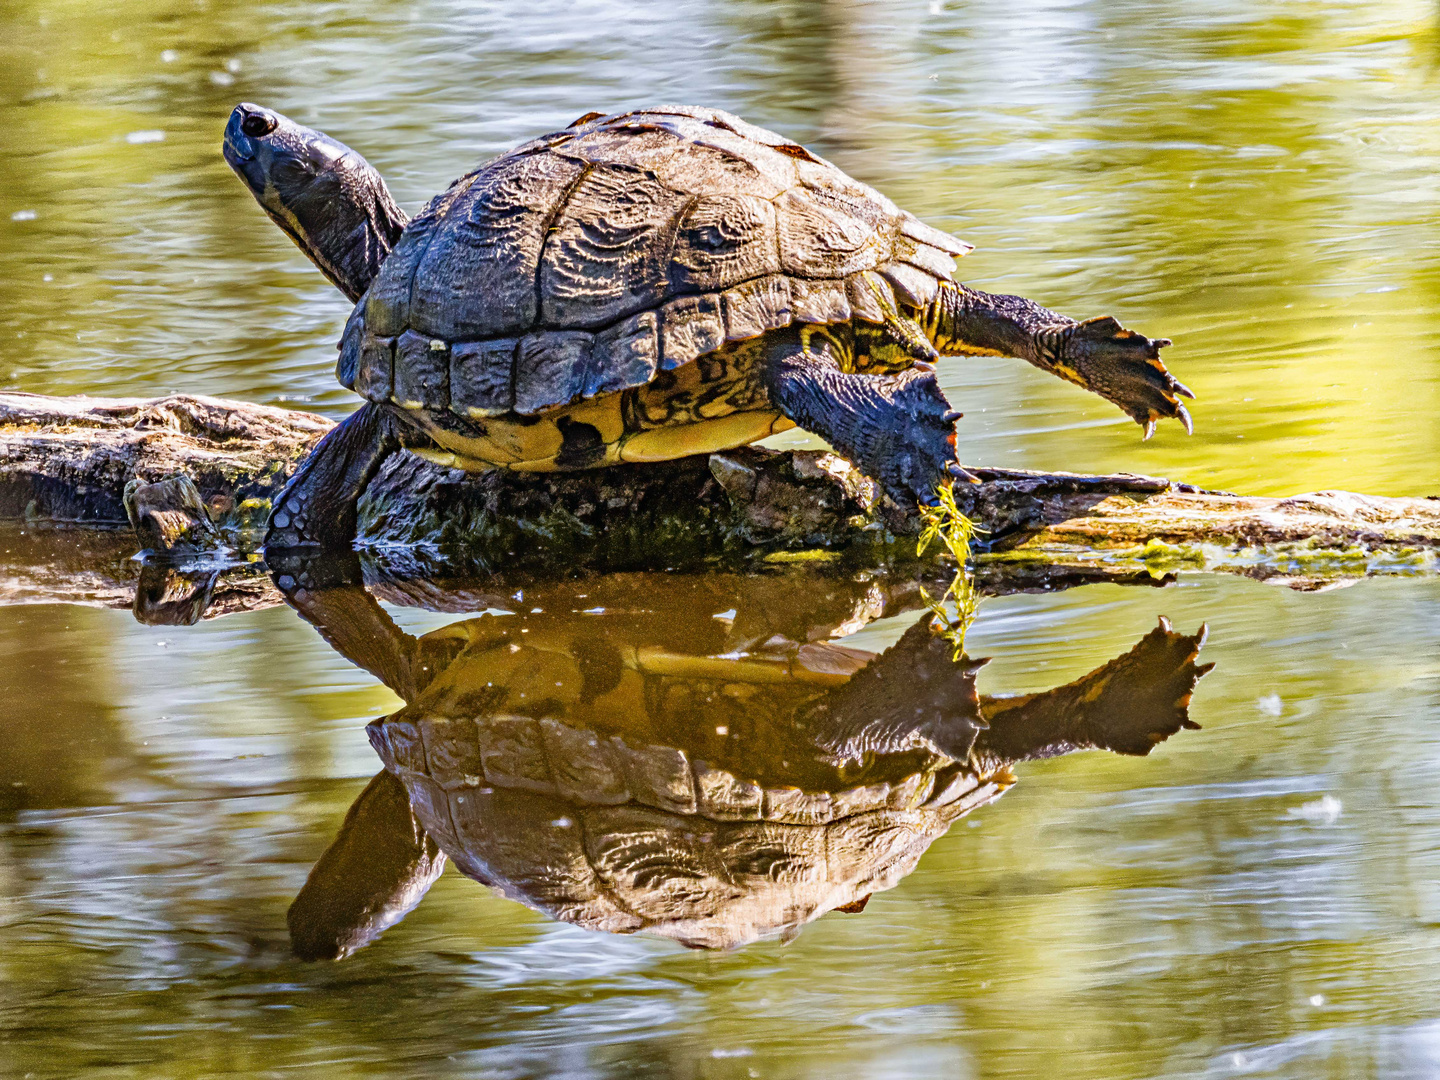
{"points": [[69, 460], [96, 568]]}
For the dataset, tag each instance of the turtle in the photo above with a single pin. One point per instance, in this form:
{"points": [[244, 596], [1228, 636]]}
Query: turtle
{"points": [[641, 286], [647, 767]]}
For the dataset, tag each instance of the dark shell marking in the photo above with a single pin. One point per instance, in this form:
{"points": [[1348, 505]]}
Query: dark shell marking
{"points": [[587, 261]]}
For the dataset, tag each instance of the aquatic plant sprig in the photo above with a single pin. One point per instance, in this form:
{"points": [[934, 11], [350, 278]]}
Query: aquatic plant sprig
{"points": [[947, 523]]}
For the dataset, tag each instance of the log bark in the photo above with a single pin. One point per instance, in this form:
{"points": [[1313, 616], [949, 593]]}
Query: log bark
{"points": [[69, 459]]}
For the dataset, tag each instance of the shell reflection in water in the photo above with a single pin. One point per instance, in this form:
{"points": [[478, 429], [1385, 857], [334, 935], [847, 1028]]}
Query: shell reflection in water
{"points": [[693, 757]]}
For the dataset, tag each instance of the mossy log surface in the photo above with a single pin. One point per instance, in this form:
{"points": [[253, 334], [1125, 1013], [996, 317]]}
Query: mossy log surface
{"points": [[69, 459]]}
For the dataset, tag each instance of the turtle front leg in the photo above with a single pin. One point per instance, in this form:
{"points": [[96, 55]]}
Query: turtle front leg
{"points": [[375, 871], [914, 696], [897, 429], [318, 506], [1120, 365]]}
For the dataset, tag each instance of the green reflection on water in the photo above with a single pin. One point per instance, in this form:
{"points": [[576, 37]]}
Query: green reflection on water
{"points": [[1256, 181], [1111, 917]]}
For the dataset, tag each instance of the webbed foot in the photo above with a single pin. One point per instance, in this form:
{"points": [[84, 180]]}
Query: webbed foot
{"points": [[916, 457], [1139, 700], [897, 429], [1123, 367]]}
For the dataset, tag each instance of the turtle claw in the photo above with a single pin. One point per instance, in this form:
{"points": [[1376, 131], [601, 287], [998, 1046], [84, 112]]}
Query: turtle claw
{"points": [[1149, 430], [959, 472], [287, 525], [1184, 415], [1125, 368]]}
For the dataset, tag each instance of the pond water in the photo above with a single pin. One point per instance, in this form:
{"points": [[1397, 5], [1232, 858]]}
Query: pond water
{"points": [[1257, 898]]}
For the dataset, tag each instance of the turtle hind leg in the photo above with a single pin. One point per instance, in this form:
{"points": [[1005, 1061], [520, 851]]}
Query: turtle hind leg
{"points": [[318, 506], [897, 429]]}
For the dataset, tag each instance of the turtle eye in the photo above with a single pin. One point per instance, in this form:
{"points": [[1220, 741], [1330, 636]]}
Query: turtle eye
{"points": [[258, 124]]}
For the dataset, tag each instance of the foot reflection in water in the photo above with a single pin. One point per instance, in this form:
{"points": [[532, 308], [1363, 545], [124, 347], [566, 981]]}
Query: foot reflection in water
{"points": [[690, 756]]}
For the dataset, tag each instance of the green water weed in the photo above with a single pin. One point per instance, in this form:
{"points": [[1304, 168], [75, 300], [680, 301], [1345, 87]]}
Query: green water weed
{"points": [[948, 524]]}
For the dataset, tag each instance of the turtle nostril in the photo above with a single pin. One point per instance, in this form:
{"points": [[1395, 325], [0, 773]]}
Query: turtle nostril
{"points": [[258, 124]]}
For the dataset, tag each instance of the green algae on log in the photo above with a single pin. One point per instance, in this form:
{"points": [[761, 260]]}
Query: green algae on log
{"points": [[69, 459]]}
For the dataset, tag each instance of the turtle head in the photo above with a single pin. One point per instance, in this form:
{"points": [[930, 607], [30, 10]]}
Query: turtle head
{"points": [[324, 195]]}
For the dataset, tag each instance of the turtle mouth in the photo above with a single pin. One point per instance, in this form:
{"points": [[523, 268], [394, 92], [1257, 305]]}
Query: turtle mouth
{"points": [[238, 146]]}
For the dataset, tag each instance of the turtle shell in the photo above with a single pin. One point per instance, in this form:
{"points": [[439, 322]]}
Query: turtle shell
{"points": [[624, 838], [551, 757], [588, 260]]}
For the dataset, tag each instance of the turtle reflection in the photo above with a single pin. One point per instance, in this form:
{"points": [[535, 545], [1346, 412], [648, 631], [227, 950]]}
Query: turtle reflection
{"points": [[693, 757]]}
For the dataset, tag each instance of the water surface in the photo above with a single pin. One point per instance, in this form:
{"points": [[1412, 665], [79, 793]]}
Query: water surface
{"points": [[1258, 898]]}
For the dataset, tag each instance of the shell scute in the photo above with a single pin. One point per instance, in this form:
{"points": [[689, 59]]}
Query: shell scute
{"points": [[819, 301], [869, 296], [724, 796], [422, 372], [609, 253], [477, 276], [916, 229], [452, 750], [657, 776], [757, 306], [347, 364], [431, 803], [375, 374], [773, 854], [399, 744], [387, 303], [646, 149], [825, 236], [728, 136], [633, 851], [796, 807], [690, 327], [722, 240], [482, 377], [934, 261], [913, 285], [551, 367], [912, 791], [709, 170], [581, 765], [544, 864], [625, 355], [512, 753]]}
